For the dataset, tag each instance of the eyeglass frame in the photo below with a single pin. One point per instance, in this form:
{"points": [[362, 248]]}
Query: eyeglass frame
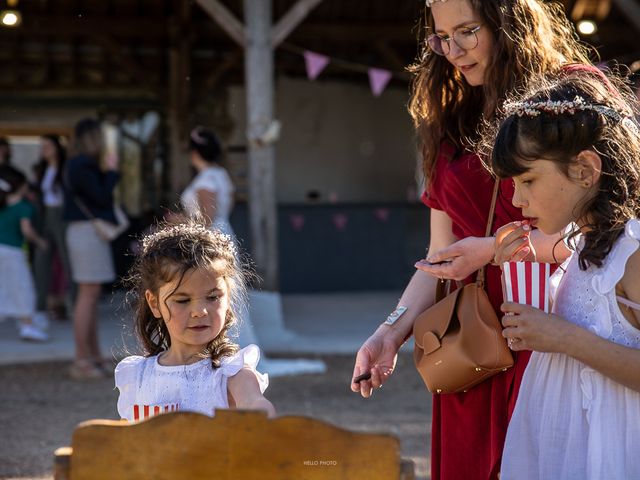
{"points": [[473, 30]]}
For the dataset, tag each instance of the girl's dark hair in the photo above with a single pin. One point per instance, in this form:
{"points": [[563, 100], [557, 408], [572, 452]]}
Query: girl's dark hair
{"points": [[87, 138], [11, 180], [167, 255], [561, 137], [41, 167], [206, 144], [530, 38]]}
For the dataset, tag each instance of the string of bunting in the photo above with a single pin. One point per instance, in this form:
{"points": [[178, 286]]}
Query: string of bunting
{"points": [[339, 220], [316, 62]]}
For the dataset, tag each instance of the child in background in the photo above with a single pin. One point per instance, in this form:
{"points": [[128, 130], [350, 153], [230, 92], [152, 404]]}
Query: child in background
{"points": [[188, 287], [572, 148], [17, 294]]}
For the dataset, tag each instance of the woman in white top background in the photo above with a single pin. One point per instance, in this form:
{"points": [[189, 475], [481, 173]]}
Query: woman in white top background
{"points": [[210, 193], [50, 183]]}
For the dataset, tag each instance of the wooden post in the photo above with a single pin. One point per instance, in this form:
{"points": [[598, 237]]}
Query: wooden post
{"points": [[259, 84], [178, 106]]}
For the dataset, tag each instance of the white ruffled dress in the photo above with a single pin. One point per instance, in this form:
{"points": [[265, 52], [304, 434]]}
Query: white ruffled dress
{"points": [[148, 388], [570, 421]]}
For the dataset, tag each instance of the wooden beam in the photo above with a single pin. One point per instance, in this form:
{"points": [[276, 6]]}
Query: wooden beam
{"points": [[259, 90], [125, 60], [225, 19], [631, 9], [178, 102], [221, 68], [291, 20]]}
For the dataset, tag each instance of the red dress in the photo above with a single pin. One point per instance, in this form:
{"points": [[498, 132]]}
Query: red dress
{"points": [[468, 429]]}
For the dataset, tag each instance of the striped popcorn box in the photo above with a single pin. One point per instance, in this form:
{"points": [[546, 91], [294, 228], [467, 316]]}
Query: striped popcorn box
{"points": [[527, 283]]}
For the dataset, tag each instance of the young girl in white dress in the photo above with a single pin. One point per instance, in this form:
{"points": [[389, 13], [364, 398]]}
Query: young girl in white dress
{"points": [[572, 148], [188, 286]]}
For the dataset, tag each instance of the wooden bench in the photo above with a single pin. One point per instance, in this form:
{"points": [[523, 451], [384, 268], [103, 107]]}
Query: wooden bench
{"points": [[235, 444]]}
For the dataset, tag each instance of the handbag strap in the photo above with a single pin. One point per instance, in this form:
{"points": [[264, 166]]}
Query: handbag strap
{"points": [[83, 208], [480, 277]]}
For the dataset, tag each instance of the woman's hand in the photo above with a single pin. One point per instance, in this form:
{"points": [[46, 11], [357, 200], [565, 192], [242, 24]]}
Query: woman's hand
{"points": [[378, 355], [513, 244], [529, 328], [460, 259]]}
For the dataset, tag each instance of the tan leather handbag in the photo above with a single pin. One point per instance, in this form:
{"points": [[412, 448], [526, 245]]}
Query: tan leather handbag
{"points": [[458, 340]]}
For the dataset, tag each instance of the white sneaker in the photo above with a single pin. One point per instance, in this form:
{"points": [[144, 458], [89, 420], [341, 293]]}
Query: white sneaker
{"points": [[41, 320], [30, 332]]}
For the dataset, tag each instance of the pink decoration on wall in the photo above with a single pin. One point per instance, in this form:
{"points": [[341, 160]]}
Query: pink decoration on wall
{"points": [[315, 63], [340, 220], [382, 214], [297, 221], [378, 79]]}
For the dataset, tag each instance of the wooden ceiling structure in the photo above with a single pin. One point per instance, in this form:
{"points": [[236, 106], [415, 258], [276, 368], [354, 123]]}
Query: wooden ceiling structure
{"points": [[171, 55], [114, 46]]}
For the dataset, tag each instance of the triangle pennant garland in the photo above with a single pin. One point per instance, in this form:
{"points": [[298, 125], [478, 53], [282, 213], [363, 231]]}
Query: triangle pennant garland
{"points": [[378, 79], [315, 63]]}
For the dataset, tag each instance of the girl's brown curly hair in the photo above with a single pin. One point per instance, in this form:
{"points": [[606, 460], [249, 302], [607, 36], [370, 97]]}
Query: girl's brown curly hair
{"points": [[168, 254], [530, 38]]}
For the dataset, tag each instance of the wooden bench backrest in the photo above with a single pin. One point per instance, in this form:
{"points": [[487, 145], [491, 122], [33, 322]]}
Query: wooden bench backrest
{"points": [[233, 445]]}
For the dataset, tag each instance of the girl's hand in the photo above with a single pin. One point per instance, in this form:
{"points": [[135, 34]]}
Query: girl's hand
{"points": [[529, 328], [460, 259], [513, 244]]}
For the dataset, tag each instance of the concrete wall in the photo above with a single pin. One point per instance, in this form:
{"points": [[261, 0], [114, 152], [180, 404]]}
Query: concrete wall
{"points": [[338, 139]]}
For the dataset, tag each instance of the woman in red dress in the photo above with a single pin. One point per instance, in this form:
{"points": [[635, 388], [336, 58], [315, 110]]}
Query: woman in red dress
{"points": [[476, 51]]}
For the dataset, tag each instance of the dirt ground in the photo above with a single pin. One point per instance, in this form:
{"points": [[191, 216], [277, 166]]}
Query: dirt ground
{"points": [[40, 406]]}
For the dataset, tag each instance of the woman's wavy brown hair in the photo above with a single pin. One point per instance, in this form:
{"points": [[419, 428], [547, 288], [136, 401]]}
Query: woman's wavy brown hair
{"points": [[561, 137], [530, 38], [168, 254]]}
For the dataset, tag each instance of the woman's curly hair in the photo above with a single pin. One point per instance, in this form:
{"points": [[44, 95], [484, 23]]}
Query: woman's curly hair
{"points": [[168, 254], [530, 38]]}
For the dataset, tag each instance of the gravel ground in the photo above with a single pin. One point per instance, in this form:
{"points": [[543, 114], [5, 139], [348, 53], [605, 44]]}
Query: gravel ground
{"points": [[40, 406]]}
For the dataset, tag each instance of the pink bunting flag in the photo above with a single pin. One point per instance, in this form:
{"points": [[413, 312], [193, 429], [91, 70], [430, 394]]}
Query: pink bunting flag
{"points": [[315, 63], [340, 220], [381, 214], [527, 283], [378, 79], [297, 221]]}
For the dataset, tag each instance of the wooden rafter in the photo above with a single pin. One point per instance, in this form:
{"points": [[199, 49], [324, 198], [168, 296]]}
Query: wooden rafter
{"points": [[124, 59], [291, 20], [225, 19]]}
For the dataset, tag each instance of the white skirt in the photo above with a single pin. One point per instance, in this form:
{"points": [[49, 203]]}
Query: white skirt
{"points": [[89, 255], [17, 293]]}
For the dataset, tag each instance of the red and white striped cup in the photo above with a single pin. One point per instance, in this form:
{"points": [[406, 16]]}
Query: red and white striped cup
{"points": [[527, 283]]}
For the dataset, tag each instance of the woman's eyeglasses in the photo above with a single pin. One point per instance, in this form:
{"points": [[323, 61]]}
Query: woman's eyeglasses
{"points": [[466, 39]]}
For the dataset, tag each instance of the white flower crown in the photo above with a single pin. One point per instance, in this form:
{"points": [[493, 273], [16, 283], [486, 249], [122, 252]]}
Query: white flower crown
{"points": [[431, 2], [534, 108]]}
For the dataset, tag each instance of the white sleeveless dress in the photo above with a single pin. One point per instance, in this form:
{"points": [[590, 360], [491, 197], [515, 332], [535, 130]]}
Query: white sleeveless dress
{"points": [[148, 388], [570, 421], [215, 180]]}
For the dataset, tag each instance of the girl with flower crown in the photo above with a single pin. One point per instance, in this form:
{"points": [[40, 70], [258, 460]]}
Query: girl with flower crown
{"points": [[476, 51], [572, 149], [188, 288]]}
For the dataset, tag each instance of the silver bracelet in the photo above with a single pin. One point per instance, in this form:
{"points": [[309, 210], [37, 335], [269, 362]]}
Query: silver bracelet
{"points": [[395, 315]]}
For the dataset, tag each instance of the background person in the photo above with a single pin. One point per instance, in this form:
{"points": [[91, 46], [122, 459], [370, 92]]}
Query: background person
{"points": [[89, 185]]}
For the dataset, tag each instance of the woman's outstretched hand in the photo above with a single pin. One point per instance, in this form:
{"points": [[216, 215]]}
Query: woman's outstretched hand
{"points": [[377, 356], [513, 243], [458, 260]]}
